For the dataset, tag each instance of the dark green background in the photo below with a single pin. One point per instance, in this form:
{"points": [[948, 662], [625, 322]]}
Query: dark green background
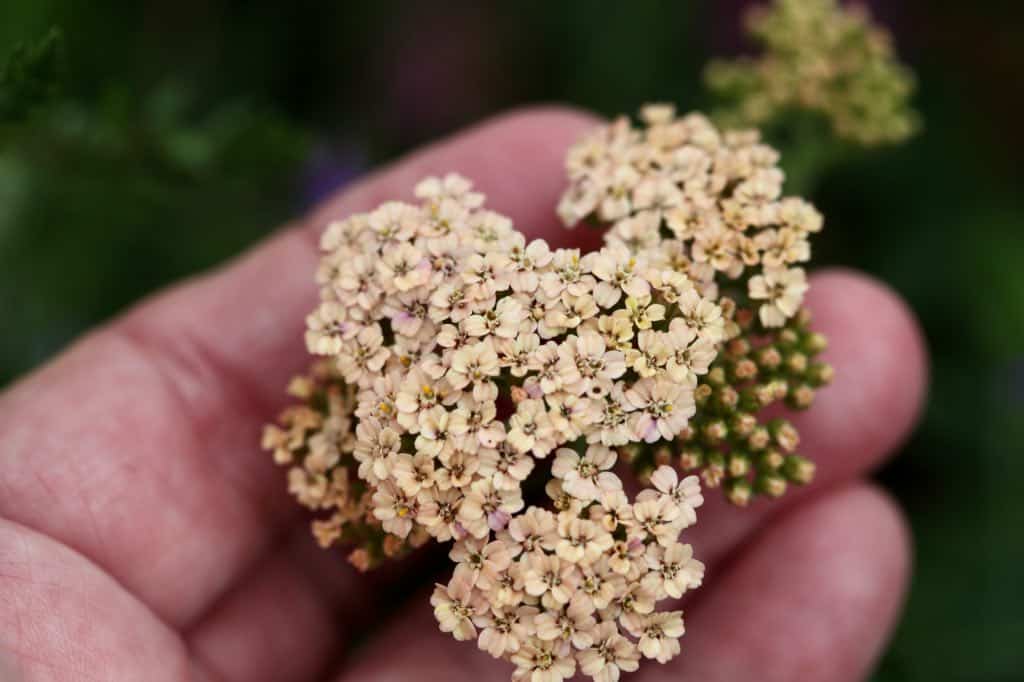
{"points": [[186, 130]]}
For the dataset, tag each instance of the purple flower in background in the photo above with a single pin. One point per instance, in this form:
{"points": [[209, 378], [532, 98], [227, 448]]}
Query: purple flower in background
{"points": [[328, 169]]}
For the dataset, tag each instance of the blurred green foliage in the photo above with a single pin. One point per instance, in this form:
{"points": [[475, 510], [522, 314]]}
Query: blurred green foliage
{"points": [[158, 138], [30, 76]]}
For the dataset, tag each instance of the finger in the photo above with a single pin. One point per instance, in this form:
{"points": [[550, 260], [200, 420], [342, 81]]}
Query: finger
{"points": [[138, 447], [876, 348], [814, 597], [64, 619], [279, 624]]}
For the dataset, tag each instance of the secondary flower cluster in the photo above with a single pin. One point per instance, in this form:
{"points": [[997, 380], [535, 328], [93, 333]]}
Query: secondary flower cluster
{"points": [[698, 202], [822, 57], [579, 587], [442, 316]]}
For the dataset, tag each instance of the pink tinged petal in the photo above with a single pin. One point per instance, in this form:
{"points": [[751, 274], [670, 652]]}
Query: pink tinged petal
{"points": [[647, 428], [497, 520]]}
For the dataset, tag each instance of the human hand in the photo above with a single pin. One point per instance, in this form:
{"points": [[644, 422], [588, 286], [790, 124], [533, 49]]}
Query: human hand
{"points": [[144, 535]]}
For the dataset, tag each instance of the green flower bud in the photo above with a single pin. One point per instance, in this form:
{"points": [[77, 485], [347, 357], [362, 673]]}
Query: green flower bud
{"points": [[771, 485], [800, 397], [796, 362], [690, 458], [770, 460], [738, 491], [768, 358], [738, 464], [820, 374], [815, 343], [714, 471], [743, 424], [715, 432], [759, 439], [798, 469]]}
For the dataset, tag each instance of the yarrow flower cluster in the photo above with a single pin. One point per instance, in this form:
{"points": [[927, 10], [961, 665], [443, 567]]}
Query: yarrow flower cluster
{"points": [[465, 372], [475, 354], [823, 57]]}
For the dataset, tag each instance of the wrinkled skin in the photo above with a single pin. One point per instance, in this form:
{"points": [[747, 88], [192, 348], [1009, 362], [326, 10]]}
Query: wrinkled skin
{"points": [[145, 536]]}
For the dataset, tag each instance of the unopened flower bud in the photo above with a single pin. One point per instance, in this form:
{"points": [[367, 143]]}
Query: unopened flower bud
{"points": [[738, 465], [820, 374], [802, 317], [771, 485], [745, 370], [743, 424], [815, 343], [800, 397], [784, 434], [768, 358], [714, 471], [788, 339], [738, 491], [798, 469], [727, 398], [764, 394], [771, 460], [738, 348], [759, 438], [715, 432], [691, 458], [796, 362]]}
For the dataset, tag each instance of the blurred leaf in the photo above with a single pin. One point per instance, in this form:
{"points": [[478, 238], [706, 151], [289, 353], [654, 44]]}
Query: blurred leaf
{"points": [[30, 76]]}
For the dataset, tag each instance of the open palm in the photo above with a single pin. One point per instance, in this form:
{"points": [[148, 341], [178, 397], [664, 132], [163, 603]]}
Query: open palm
{"points": [[144, 535]]}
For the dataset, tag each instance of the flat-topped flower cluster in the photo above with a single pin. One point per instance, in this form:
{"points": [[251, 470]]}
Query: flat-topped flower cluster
{"points": [[476, 353], [579, 587]]}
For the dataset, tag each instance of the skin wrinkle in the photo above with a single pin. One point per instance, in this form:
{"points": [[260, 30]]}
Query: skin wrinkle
{"points": [[79, 639], [180, 366], [214, 629]]}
